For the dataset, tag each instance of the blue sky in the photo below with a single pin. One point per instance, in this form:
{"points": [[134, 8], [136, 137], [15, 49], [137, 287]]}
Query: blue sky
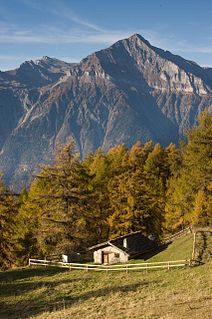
{"points": [[72, 29]]}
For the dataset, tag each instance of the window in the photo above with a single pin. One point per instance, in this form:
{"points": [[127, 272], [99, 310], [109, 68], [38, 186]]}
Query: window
{"points": [[116, 255]]}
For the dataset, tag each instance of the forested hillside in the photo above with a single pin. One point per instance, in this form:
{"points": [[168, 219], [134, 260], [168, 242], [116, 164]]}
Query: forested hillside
{"points": [[127, 92], [73, 203]]}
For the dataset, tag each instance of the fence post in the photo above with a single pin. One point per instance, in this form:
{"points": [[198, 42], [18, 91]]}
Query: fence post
{"points": [[146, 268], [29, 263], [194, 247], [126, 269], [168, 265]]}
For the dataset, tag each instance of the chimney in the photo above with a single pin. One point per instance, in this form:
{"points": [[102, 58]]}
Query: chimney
{"points": [[125, 242]]}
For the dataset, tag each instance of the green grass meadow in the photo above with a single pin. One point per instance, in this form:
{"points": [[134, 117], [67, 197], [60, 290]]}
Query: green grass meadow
{"points": [[53, 293]]}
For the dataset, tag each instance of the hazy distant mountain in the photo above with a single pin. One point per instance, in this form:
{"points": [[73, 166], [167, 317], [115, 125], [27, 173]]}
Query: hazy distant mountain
{"points": [[130, 91]]}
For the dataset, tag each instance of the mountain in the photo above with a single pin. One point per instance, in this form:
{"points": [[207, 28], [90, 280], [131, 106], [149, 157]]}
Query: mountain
{"points": [[130, 91]]}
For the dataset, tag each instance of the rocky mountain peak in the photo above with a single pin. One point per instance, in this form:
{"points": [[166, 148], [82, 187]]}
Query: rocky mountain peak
{"points": [[46, 58], [39, 72], [136, 60], [137, 38]]}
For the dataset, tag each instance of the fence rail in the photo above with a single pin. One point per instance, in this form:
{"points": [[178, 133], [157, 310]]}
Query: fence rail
{"points": [[137, 266], [177, 235]]}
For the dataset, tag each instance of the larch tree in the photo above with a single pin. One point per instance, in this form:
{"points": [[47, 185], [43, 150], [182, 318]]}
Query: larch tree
{"points": [[61, 196], [9, 230], [189, 194]]}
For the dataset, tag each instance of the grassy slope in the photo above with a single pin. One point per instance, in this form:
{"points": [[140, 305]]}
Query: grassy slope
{"points": [[181, 248], [173, 294]]}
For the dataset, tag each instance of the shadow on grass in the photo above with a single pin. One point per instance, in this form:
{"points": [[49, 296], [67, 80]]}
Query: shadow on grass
{"points": [[24, 273], [149, 254], [16, 288], [54, 300]]}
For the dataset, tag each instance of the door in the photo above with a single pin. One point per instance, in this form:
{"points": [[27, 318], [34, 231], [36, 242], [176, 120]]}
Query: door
{"points": [[105, 257]]}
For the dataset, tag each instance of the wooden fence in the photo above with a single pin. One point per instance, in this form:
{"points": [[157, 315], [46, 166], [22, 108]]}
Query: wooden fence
{"points": [[119, 267], [177, 235]]}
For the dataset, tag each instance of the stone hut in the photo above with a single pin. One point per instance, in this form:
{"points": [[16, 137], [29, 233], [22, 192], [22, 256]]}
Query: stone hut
{"points": [[123, 248]]}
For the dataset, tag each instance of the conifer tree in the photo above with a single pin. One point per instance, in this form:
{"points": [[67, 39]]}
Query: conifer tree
{"points": [[59, 198], [8, 226], [98, 168], [136, 199], [189, 193]]}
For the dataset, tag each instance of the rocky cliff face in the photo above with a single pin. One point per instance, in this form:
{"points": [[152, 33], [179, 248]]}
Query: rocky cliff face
{"points": [[130, 91]]}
